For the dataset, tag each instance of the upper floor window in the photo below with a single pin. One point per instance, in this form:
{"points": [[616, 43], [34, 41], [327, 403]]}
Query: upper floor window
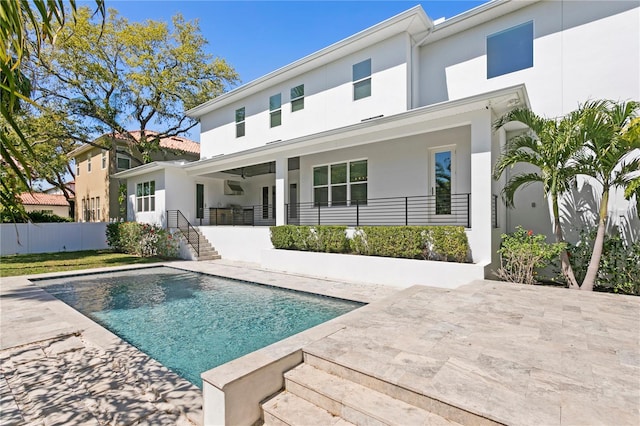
{"points": [[275, 110], [104, 159], [123, 163], [240, 115], [297, 98], [146, 196], [77, 166], [510, 50], [362, 80], [88, 162], [336, 184]]}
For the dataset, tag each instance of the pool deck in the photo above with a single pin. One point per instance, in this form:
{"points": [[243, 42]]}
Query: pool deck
{"points": [[511, 353]]}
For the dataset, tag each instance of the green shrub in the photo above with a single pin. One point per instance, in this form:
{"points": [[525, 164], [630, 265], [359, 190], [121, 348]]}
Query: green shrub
{"points": [[329, 239], [141, 239], [34, 216], [619, 269], [522, 253], [443, 243]]}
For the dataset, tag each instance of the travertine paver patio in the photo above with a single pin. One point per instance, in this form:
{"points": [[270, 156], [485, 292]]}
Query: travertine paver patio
{"points": [[515, 354], [511, 353]]}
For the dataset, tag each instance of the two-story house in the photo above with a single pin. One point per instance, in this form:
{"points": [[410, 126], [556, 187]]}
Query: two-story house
{"points": [[394, 125], [97, 192]]}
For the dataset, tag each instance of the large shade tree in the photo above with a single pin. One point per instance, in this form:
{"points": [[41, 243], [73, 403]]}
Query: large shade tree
{"points": [[610, 154], [117, 75], [25, 27], [549, 146]]}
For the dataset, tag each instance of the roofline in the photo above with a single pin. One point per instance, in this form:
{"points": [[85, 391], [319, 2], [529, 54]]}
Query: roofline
{"points": [[476, 16], [261, 82], [485, 97], [149, 167]]}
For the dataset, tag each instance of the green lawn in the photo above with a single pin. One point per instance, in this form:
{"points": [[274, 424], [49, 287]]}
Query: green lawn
{"points": [[24, 264]]}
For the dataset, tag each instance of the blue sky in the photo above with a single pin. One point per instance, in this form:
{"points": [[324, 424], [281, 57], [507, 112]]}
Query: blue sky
{"points": [[257, 37]]}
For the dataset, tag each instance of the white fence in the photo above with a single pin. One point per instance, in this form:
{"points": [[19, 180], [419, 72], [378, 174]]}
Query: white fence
{"points": [[23, 238]]}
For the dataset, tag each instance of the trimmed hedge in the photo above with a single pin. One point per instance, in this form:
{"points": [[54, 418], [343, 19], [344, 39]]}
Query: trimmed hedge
{"points": [[326, 239], [443, 243]]}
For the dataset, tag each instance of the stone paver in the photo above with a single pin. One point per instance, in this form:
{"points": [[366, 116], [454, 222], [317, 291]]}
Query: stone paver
{"points": [[516, 354]]}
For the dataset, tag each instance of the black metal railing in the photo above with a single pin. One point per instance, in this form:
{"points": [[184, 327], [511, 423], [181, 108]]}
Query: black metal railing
{"points": [[419, 210], [176, 220]]}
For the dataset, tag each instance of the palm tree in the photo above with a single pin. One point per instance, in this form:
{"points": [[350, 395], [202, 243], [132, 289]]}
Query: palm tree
{"points": [[549, 145], [610, 135]]}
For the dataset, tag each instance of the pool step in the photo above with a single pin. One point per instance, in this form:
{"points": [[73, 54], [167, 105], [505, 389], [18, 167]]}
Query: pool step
{"points": [[441, 410], [353, 402], [287, 409]]}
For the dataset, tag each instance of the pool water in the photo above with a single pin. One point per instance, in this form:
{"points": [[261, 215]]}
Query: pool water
{"points": [[193, 322]]}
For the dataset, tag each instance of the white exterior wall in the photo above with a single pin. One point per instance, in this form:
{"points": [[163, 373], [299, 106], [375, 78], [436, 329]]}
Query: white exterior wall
{"points": [[397, 168], [582, 50], [328, 102], [158, 215]]}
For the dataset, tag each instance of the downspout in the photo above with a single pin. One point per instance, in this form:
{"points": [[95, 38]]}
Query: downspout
{"points": [[415, 68]]}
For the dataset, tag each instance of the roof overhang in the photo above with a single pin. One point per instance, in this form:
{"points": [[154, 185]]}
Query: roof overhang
{"points": [[413, 21], [149, 168], [474, 17], [421, 120]]}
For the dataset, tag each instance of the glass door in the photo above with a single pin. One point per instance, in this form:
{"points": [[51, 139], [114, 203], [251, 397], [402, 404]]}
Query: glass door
{"points": [[442, 179]]}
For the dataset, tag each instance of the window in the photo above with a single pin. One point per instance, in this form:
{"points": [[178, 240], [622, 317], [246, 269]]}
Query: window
{"points": [[93, 210], [77, 166], [88, 162], [297, 98], [362, 80], [97, 218], [275, 110], [340, 184], [47, 211], [240, 115], [510, 50], [146, 196], [83, 213], [124, 163], [104, 159]]}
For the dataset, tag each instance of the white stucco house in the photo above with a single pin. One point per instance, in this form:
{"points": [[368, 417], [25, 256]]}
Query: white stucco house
{"points": [[363, 132]]}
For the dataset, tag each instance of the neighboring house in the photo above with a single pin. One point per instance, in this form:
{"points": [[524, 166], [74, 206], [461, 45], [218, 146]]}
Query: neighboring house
{"points": [[96, 192], [393, 125], [47, 203]]}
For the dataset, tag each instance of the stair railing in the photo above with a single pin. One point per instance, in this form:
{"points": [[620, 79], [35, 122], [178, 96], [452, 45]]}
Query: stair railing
{"points": [[176, 220]]}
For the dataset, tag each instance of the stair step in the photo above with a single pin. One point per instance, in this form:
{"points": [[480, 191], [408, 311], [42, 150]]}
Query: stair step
{"points": [[355, 403], [453, 414], [286, 409]]}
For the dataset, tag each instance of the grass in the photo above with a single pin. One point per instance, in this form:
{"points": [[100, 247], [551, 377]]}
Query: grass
{"points": [[26, 264]]}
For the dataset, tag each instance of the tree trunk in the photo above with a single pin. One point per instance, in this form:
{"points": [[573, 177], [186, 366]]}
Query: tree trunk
{"points": [[567, 270], [598, 244]]}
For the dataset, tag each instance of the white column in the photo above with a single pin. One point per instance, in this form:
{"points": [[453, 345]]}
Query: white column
{"points": [[280, 202], [481, 168]]}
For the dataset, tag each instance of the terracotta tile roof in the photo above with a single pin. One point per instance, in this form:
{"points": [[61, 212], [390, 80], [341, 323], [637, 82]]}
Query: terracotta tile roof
{"points": [[41, 199], [173, 142]]}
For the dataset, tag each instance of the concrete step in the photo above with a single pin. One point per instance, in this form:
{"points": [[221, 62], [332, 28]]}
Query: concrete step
{"points": [[353, 402], [453, 414], [286, 409], [216, 257]]}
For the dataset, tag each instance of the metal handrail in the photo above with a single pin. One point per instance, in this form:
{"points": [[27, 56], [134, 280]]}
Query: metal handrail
{"points": [[414, 210], [182, 223]]}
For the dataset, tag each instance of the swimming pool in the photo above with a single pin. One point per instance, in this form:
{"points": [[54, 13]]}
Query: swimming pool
{"points": [[193, 322]]}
